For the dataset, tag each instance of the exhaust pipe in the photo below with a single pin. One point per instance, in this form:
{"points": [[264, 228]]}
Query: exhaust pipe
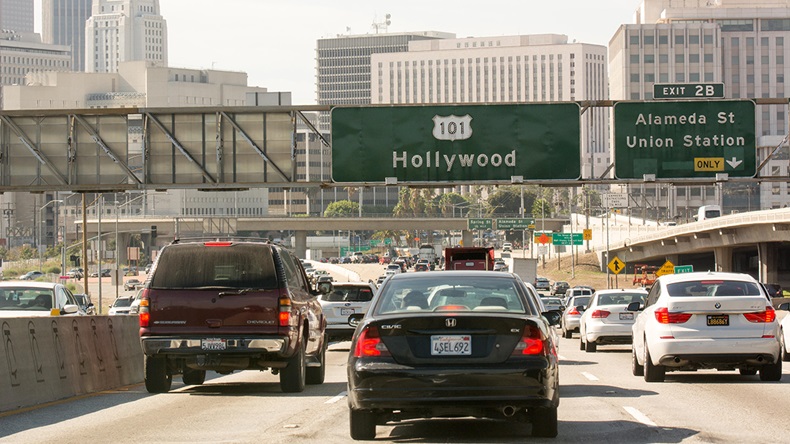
{"points": [[508, 411]]}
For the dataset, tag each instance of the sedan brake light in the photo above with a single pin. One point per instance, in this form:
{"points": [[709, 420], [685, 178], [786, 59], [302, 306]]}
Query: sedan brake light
{"points": [[531, 342], [369, 344], [600, 314], [573, 311], [769, 315], [663, 316]]}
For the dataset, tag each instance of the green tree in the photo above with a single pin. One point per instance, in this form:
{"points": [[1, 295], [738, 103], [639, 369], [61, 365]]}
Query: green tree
{"points": [[342, 208], [541, 208], [452, 203], [505, 200]]}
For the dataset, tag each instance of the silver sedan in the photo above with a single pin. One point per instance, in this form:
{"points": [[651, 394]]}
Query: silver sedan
{"points": [[571, 315]]}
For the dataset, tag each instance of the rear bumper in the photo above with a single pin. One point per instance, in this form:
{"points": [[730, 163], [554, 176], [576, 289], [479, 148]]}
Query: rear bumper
{"points": [[235, 345], [713, 353], [388, 386], [609, 333]]}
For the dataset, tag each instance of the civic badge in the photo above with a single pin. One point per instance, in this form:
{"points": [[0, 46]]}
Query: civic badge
{"points": [[717, 305], [450, 322]]}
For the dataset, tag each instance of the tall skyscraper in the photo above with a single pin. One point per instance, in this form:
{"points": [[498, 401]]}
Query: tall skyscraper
{"points": [[16, 15], [122, 31], [63, 23], [741, 43]]}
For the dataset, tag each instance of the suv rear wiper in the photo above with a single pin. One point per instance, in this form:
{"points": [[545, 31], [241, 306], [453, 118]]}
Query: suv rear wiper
{"points": [[235, 293]]}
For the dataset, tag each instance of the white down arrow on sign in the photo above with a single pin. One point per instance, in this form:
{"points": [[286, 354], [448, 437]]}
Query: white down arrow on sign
{"points": [[734, 162]]}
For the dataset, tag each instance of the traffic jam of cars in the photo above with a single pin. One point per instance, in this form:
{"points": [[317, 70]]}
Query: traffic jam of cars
{"points": [[457, 337]]}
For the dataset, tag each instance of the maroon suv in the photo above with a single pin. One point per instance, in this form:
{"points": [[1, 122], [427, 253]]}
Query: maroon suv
{"points": [[227, 306]]}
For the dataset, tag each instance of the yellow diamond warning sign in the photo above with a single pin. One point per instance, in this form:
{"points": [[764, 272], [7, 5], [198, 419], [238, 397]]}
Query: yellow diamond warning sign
{"points": [[616, 265], [667, 268]]}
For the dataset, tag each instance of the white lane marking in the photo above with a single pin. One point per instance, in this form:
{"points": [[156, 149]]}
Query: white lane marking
{"points": [[589, 376], [639, 416], [336, 398]]}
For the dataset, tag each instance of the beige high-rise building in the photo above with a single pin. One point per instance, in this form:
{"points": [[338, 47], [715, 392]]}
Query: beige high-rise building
{"points": [[743, 44], [124, 30]]}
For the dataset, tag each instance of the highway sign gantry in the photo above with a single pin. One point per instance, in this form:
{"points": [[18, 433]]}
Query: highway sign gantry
{"points": [[447, 143], [684, 139]]}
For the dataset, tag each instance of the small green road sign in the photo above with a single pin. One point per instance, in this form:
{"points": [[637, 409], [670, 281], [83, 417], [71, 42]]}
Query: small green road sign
{"points": [[514, 224], [688, 91], [447, 143], [480, 224], [388, 241], [375, 242], [684, 269], [567, 239], [674, 140]]}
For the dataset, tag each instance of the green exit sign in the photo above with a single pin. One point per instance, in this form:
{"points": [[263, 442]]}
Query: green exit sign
{"points": [[688, 91], [514, 223], [567, 239], [480, 224]]}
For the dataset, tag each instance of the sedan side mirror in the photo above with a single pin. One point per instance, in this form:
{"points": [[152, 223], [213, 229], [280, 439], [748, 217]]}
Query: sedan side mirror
{"points": [[784, 306], [324, 287], [580, 308], [553, 317], [635, 306]]}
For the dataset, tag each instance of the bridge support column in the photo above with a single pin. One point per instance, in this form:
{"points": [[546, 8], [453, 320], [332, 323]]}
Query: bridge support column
{"points": [[768, 255], [468, 238], [723, 258], [123, 253], [300, 244]]}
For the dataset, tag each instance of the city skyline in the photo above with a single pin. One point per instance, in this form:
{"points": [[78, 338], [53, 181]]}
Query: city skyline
{"points": [[204, 34]]}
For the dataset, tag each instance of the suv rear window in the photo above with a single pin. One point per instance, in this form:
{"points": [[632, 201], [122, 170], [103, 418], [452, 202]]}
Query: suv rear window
{"points": [[349, 294], [197, 265]]}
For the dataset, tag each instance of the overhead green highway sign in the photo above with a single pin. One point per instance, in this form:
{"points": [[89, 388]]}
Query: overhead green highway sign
{"points": [[688, 91], [514, 223], [401, 144], [684, 139], [480, 224]]}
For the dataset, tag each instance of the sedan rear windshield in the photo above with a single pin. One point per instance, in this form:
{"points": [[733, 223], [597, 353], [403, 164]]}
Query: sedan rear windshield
{"points": [[201, 266], [713, 287], [460, 293]]}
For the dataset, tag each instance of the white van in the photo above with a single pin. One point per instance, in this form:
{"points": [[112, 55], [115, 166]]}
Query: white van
{"points": [[708, 212]]}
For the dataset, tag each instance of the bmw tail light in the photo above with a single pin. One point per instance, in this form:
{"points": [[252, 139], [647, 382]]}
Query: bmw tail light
{"points": [[600, 314], [663, 316], [769, 315], [284, 315], [145, 309], [531, 342], [369, 344]]}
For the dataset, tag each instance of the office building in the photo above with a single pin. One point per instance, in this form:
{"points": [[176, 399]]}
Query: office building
{"points": [[63, 23], [16, 15], [22, 53], [740, 43], [122, 31]]}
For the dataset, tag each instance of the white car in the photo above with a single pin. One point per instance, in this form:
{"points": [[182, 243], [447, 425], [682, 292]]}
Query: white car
{"points": [[706, 320], [507, 246], [392, 269], [121, 306], [28, 299], [345, 299], [784, 332], [606, 319]]}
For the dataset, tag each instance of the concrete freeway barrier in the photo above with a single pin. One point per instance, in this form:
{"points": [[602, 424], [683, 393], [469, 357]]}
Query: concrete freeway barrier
{"points": [[51, 358]]}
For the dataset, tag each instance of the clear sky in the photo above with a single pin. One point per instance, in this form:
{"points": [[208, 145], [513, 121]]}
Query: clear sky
{"points": [[274, 41]]}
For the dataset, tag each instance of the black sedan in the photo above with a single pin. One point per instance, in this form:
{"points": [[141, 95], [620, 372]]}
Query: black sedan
{"points": [[443, 344]]}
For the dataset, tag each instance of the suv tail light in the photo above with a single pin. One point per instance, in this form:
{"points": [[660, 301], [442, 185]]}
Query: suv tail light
{"points": [[369, 344], [531, 342], [600, 314], [663, 316], [284, 315], [144, 309], [769, 315]]}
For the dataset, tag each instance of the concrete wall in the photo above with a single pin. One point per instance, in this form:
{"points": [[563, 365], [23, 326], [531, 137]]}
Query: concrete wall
{"points": [[49, 358]]}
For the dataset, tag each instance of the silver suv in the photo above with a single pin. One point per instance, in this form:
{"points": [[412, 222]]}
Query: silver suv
{"points": [[345, 299]]}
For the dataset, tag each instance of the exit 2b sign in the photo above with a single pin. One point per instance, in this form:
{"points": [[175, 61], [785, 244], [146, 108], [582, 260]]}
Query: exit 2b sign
{"points": [[688, 91]]}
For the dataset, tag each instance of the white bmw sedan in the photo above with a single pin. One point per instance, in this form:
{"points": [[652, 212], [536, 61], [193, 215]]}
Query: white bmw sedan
{"points": [[784, 332], [692, 321], [606, 320]]}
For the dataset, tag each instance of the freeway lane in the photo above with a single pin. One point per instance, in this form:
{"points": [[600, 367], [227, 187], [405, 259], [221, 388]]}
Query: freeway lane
{"points": [[601, 402]]}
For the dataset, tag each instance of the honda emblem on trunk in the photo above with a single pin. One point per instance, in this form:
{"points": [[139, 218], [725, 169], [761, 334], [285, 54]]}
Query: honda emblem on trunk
{"points": [[450, 322]]}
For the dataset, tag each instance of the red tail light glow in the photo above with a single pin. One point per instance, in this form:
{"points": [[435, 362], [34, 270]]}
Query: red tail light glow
{"points": [[663, 316], [573, 311], [369, 344], [452, 308], [600, 314], [218, 244], [769, 315], [145, 319], [144, 309], [284, 315], [531, 342]]}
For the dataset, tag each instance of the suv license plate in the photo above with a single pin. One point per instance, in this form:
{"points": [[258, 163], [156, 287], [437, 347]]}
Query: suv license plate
{"points": [[346, 311], [213, 344], [460, 345], [718, 320]]}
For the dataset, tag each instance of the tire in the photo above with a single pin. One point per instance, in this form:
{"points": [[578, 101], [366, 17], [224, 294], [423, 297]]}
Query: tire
{"points": [[783, 350], [652, 373], [193, 377], [157, 378], [636, 369], [592, 347], [316, 375], [582, 346], [747, 371], [362, 424], [567, 334], [544, 422], [771, 372], [292, 377]]}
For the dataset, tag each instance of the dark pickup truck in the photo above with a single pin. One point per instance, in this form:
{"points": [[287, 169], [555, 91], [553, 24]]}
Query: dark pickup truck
{"points": [[230, 305]]}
